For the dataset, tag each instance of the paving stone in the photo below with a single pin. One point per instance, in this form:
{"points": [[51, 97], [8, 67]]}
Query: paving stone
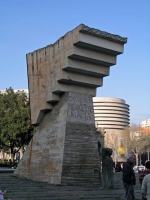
{"points": [[25, 189]]}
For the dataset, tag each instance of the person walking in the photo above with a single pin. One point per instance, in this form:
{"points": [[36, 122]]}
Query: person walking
{"points": [[128, 178], [146, 182], [143, 173]]}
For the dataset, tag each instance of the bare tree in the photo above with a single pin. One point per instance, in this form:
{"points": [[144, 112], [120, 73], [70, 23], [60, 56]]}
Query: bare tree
{"points": [[137, 141], [146, 131]]}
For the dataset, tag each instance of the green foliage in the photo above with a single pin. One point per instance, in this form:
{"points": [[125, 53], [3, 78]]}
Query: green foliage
{"points": [[8, 164], [15, 128], [4, 163]]}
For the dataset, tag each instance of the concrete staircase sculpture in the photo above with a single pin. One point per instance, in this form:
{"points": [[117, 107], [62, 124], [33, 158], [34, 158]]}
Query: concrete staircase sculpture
{"points": [[63, 78]]}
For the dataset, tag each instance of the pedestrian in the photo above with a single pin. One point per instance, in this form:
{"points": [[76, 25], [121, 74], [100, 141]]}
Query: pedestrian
{"points": [[129, 177], [143, 173], [118, 168], [146, 183], [2, 193], [121, 166]]}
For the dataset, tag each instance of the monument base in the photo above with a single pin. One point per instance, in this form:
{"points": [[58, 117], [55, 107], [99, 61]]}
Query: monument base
{"points": [[64, 149]]}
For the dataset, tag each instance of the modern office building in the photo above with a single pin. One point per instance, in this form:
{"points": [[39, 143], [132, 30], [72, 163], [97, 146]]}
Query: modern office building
{"points": [[112, 115]]}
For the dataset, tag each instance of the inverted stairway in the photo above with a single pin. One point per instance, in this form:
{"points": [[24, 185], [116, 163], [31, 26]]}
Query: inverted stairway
{"points": [[77, 62]]}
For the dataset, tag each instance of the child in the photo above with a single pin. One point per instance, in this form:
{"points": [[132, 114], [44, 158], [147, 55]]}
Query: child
{"points": [[2, 193]]}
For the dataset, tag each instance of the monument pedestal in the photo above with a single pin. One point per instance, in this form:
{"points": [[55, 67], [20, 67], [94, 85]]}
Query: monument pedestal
{"points": [[65, 147]]}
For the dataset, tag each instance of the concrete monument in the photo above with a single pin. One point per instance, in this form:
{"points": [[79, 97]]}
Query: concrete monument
{"points": [[63, 78]]}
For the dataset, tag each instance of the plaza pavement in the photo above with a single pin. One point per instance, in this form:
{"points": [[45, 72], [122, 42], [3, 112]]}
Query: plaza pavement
{"points": [[24, 189]]}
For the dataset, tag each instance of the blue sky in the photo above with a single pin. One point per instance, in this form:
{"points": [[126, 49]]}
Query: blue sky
{"points": [[32, 24]]}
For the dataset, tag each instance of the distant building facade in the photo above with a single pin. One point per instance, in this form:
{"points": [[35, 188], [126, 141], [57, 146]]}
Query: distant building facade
{"points": [[26, 91], [145, 124], [113, 116]]}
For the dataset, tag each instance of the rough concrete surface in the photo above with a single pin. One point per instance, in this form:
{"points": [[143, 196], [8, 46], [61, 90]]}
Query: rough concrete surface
{"points": [[25, 189], [65, 147], [77, 62]]}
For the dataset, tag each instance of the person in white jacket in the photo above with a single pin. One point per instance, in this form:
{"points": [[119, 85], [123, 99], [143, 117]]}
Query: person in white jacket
{"points": [[146, 183]]}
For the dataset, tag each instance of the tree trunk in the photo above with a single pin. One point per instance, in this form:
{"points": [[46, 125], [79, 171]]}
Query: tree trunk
{"points": [[137, 159], [3, 152], [147, 155], [12, 155], [140, 158]]}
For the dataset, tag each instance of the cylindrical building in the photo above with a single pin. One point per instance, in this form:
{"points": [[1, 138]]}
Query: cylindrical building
{"points": [[112, 115]]}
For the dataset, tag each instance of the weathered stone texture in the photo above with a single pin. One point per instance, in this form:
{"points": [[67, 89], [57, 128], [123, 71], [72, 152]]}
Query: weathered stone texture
{"points": [[81, 161], [44, 155], [64, 149], [77, 62]]}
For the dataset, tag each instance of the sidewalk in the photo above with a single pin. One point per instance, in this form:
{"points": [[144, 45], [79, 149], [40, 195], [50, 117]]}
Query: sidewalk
{"points": [[24, 189]]}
